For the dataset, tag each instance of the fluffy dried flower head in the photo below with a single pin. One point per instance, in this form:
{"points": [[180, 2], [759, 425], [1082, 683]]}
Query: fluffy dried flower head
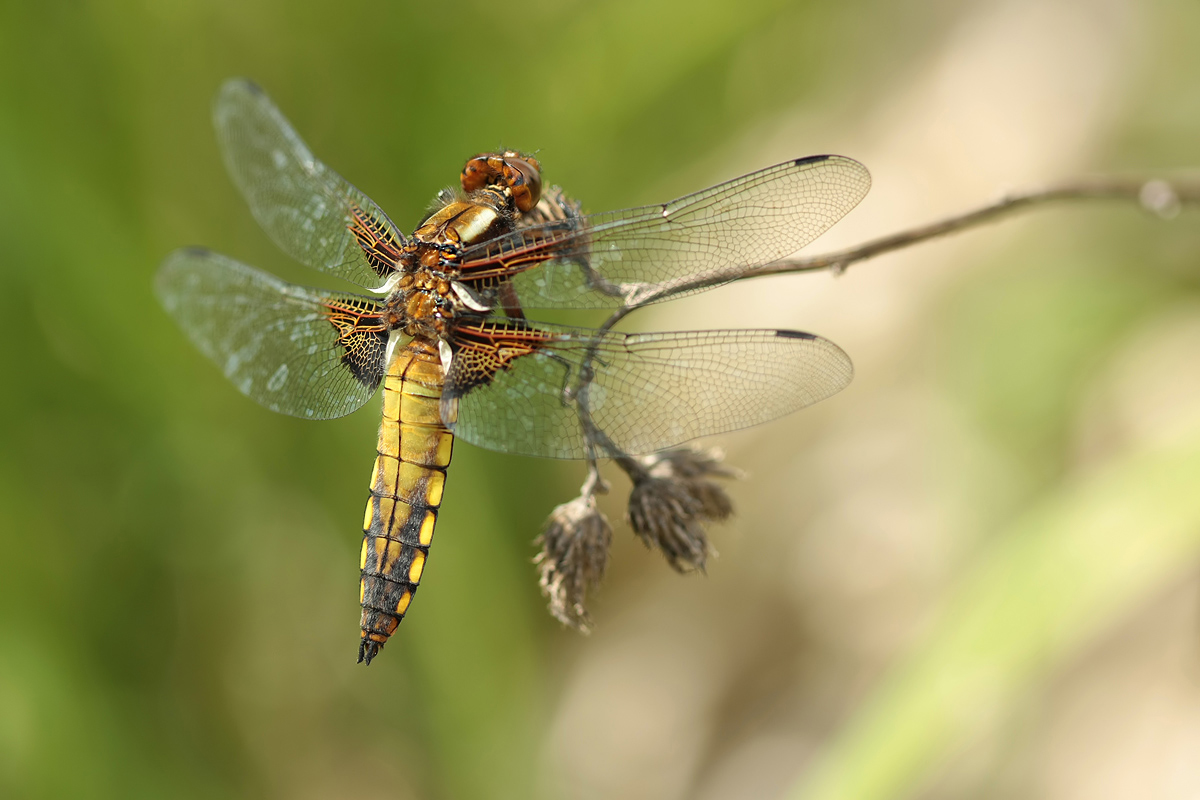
{"points": [[672, 500], [574, 554]]}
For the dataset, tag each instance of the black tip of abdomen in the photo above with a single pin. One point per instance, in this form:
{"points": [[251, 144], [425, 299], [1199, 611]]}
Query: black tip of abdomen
{"points": [[367, 650]]}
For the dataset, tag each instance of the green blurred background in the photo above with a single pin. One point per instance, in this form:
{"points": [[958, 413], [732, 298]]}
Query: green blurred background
{"points": [[971, 574]]}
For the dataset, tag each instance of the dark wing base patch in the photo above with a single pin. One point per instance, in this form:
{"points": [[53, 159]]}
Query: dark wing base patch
{"points": [[485, 348], [362, 336], [298, 351]]}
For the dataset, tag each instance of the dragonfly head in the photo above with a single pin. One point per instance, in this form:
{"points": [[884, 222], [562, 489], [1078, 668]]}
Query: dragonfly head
{"points": [[514, 174]]}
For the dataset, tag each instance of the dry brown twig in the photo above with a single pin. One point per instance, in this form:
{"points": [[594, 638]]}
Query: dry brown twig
{"points": [[674, 495]]}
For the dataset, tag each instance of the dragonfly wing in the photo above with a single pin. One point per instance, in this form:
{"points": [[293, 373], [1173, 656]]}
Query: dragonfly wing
{"points": [[605, 260], [310, 211], [294, 350], [520, 388]]}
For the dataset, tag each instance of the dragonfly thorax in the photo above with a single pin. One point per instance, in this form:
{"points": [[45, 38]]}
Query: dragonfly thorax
{"points": [[422, 304], [497, 189]]}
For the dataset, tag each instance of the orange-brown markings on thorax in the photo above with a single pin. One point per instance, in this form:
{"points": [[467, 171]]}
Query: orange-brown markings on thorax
{"points": [[421, 303], [406, 490]]}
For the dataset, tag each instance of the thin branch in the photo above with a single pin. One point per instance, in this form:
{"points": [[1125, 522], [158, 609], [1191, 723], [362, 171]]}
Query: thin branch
{"points": [[1160, 197]]}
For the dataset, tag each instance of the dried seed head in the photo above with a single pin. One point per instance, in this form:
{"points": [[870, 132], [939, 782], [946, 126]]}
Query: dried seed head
{"points": [[665, 515], [574, 554], [714, 502], [672, 500]]}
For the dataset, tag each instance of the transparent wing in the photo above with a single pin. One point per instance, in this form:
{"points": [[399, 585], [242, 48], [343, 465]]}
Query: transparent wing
{"points": [[310, 211], [294, 350], [519, 388], [603, 260]]}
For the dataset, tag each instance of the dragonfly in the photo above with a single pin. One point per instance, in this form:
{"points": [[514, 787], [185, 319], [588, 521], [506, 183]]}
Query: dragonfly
{"points": [[441, 322]]}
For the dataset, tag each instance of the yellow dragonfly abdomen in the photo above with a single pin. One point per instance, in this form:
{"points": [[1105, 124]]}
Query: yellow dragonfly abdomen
{"points": [[406, 489]]}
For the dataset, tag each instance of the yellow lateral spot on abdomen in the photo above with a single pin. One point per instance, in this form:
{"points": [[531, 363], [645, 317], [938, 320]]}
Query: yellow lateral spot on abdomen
{"points": [[402, 603], [426, 534], [370, 515], [418, 564], [362, 559], [433, 488]]}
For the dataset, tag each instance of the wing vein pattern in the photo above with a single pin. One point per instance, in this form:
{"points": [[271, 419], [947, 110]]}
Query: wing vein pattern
{"points": [[306, 208], [649, 391], [596, 261], [292, 349]]}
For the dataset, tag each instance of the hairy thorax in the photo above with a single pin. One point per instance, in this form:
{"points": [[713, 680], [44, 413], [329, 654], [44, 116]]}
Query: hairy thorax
{"points": [[425, 300]]}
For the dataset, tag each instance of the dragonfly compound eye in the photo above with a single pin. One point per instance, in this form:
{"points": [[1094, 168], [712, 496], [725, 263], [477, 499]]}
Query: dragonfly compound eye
{"points": [[520, 175], [525, 179]]}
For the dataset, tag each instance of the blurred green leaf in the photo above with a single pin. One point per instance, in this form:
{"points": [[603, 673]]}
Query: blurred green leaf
{"points": [[1069, 569]]}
